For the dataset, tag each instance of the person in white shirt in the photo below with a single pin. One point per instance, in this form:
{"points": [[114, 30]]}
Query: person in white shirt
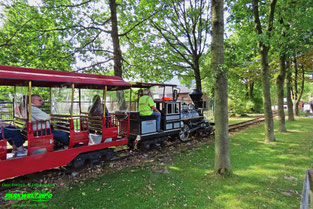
{"points": [[39, 115]]}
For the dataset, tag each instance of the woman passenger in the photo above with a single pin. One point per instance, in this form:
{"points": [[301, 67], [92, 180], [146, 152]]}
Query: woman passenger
{"points": [[96, 109]]}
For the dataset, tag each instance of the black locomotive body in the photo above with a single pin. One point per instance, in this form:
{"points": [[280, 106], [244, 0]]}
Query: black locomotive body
{"points": [[143, 129], [193, 117]]}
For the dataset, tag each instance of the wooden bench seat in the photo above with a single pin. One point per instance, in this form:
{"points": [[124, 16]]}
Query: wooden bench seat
{"points": [[40, 140], [77, 127]]}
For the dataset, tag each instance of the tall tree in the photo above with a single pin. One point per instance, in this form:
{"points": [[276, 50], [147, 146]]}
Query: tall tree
{"points": [[283, 53], [295, 94], [293, 27], [117, 54], [222, 157], [264, 47], [184, 27], [288, 88], [280, 94]]}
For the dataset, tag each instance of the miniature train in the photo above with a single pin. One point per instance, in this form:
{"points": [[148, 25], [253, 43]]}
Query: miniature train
{"points": [[91, 137]]}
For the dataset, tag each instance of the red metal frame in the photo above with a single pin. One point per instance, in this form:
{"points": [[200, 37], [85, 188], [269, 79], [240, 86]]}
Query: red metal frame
{"points": [[112, 130], [78, 134], [124, 126], [40, 162], [35, 162], [35, 142], [3, 149]]}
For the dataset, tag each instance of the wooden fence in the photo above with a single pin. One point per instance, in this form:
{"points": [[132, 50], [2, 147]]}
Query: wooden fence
{"points": [[6, 111]]}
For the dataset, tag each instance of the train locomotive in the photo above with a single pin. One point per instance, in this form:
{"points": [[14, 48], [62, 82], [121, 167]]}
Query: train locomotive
{"points": [[178, 121], [193, 118], [92, 137], [143, 130]]}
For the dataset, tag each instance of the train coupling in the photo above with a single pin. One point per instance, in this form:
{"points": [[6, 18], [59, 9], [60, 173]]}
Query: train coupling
{"points": [[138, 138]]}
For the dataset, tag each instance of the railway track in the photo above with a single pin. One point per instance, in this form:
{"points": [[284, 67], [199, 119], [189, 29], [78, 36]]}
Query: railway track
{"points": [[54, 176], [240, 125], [247, 123]]}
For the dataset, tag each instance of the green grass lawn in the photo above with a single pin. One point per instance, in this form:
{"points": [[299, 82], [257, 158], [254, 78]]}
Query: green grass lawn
{"points": [[265, 176]]}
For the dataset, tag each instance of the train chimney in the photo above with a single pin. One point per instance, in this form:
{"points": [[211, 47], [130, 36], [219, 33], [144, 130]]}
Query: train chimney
{"points": [[196, 96]]}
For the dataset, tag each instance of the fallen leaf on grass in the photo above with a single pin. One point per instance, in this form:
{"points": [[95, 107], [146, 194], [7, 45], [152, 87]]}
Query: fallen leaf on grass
{"points": [[156, 170], [290, 192], [291, 178], [149, 187], [287, 193]]}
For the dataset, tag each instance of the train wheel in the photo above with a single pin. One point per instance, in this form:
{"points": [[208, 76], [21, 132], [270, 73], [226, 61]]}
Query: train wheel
{"points": [[78, 162], [184, 133]]}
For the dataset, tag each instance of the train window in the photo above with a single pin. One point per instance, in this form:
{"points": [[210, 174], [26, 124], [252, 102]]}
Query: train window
{"points": [[177, 108], [20, 102], [118, 100], [61, 101], [172, 108], [168, 109], [86, 98]]}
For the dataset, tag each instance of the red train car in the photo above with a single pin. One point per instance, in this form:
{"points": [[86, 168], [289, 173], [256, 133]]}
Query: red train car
{"points": [[111, 128]]}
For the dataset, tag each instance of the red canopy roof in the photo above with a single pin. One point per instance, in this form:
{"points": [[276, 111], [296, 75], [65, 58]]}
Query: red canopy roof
{"points": [[49, 78]]}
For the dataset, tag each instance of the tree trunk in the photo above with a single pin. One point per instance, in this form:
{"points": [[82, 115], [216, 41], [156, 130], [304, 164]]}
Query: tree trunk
{"points": [[295, 93], [247, 90], [116, 43], [263, 49], [302, 88], [197, 72], [222, 157], [268, 114], [251, 90], [289, 100], [280, 94]]}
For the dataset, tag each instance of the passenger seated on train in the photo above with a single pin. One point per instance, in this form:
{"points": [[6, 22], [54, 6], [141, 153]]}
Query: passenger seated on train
{"points": [[13, 135], [147, 107], [39, 115], [97, 108]]}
